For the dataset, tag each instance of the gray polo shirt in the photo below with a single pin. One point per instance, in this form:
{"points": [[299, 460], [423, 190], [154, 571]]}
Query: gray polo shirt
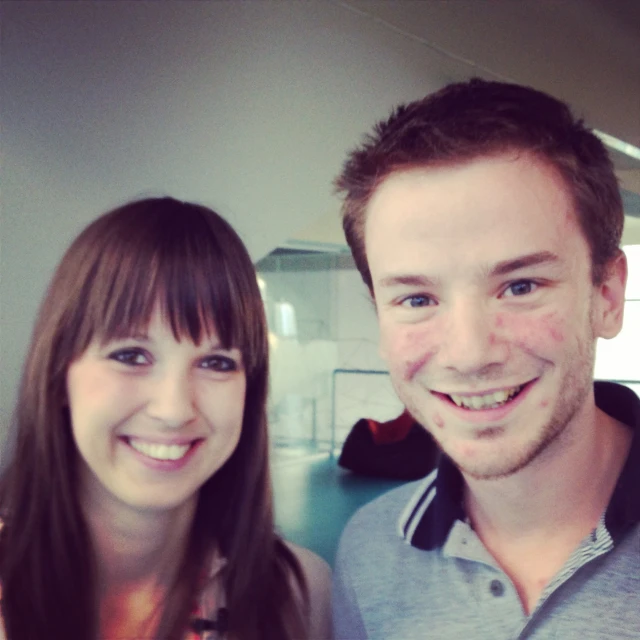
{"points": [[429, 576]]}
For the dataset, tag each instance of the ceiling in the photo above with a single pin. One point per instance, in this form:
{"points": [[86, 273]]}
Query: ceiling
{"points": [[251, 106], [586, 52]]}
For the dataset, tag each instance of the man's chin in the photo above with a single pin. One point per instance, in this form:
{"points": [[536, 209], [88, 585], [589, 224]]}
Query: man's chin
{"points": [[490, 472], [485, 467], [489, 461]]}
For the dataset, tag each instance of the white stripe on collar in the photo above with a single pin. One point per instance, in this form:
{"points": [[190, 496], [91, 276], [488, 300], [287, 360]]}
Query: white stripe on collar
{"points": [[417, 506]]}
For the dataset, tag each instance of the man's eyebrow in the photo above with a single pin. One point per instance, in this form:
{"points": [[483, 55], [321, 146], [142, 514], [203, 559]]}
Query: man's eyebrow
{"points": [[406, 280], [500, 269], [507, 266]]}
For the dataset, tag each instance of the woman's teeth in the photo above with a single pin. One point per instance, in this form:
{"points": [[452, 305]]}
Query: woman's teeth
{"points": [[160, 451], [487, 400]]}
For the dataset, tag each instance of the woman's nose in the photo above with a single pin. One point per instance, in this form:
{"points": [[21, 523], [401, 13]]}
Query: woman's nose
{"points": [[172, 400]]}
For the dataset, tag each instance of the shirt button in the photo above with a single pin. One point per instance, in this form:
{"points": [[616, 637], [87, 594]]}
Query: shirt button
{"points": [[497, 588]]}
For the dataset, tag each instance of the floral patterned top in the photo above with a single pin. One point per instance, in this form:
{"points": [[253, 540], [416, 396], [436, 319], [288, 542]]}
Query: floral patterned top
{"points": [[209, 619]]}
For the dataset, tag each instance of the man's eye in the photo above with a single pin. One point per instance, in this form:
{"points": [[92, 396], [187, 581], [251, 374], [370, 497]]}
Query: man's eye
{"points": [[520, 288], [219, 363], [418, 301], [132, 357]]}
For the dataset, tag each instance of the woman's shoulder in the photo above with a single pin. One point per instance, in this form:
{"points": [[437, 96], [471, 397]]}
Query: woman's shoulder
{"points": [[317, 576], [315, 569]]}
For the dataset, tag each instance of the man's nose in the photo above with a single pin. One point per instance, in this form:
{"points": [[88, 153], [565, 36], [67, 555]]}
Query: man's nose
{"points": [[471, 341], [172, 399]]}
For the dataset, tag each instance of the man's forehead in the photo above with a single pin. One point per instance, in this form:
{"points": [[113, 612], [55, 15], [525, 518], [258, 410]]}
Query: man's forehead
{"points": [[525, 158], [510, 179], [495, 214]]}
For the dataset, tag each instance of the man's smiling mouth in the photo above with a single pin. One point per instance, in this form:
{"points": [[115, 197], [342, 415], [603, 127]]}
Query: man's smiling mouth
{"points": [[483, 401]]}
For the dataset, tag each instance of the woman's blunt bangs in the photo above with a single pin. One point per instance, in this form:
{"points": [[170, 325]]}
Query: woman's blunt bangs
{"points": [[181, 258]]}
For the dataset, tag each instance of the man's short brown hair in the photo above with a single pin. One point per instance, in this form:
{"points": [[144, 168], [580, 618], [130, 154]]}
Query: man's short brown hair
{"points": [[466, 120]]}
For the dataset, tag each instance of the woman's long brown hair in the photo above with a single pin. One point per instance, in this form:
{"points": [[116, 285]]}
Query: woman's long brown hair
{"points": [[190, 261]]}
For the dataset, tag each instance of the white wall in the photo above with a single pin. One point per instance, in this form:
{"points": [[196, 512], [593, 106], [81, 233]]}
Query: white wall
{"points": [[337, 329]]}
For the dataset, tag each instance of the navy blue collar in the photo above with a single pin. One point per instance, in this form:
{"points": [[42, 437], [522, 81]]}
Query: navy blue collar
{"points": [[623, 511], [437, 504]]}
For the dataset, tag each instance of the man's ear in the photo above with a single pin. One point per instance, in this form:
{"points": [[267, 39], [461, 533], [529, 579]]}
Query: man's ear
{"points": [[610, 298]]}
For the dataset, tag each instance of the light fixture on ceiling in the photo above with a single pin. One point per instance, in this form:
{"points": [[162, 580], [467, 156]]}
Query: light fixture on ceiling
{"points": [[618, 145]]}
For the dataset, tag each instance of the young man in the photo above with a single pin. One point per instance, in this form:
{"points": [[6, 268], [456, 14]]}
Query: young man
{"points": [[486, 222]]}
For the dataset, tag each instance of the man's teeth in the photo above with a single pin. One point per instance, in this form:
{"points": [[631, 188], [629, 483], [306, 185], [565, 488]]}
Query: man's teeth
{"points": [[160, 451], [486, 401]]}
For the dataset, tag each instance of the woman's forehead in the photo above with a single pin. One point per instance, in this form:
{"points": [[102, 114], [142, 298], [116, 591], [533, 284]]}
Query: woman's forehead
{"points": [[197, 326]]}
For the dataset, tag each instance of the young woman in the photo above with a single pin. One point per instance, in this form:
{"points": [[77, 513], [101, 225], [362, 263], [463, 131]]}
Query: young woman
{"points": [[138, 503]]}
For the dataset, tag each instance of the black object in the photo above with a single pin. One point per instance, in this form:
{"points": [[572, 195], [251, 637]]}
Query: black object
{"points": [[411, 458], [220, 624]]}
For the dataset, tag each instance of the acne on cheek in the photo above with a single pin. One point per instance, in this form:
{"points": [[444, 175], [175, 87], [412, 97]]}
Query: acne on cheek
{"points": [[438, 420], [529, 332], [553, 327], [418, 353], [411, 348], [412, 367], [557, 335], [408, 350], [467, 452]]}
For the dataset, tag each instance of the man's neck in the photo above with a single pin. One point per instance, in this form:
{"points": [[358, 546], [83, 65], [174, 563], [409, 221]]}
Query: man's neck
{"points": [[570, 483], [532, 521]]}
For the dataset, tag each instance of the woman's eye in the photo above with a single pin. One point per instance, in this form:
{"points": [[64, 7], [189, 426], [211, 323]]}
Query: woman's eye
{"points": [[418, 301], [219, 363], [132, 357], [520, 288]]}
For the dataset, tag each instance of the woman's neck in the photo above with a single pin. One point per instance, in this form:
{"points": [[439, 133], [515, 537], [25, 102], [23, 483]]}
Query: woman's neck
{"points": [[135, 546], [138, 555]]}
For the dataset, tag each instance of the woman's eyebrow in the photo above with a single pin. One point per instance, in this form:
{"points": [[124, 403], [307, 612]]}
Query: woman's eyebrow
{"points": [[122, 336]]}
